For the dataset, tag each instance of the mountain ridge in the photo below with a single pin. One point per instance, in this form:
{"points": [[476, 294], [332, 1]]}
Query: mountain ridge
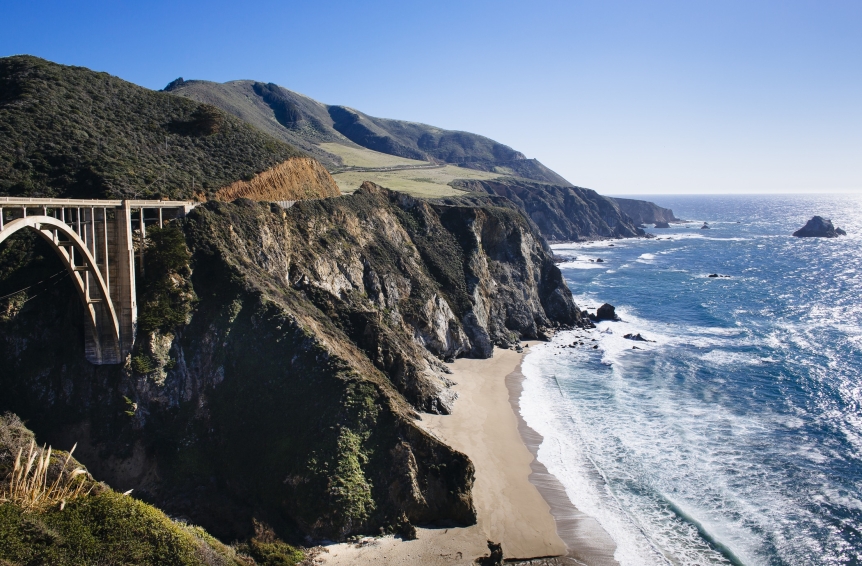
{"points": [[306, 122]]}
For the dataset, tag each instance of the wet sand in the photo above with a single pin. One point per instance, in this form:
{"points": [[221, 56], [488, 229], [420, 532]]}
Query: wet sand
{"points": [[510, 509], [587, 541]]}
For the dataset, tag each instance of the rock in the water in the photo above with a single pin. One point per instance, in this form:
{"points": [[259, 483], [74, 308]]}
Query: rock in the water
{"points": [[605, 312], [662, 225], [600, 260], [713, 275], [705, 226], [636, 337], [819, 227]]}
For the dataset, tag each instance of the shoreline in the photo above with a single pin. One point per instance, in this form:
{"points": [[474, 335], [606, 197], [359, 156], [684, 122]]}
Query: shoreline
{"points": [[587, 541], [518, 503]]}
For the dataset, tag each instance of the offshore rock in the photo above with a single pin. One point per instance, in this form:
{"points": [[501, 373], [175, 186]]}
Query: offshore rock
{"points": [[662, 225], [819, 227]]}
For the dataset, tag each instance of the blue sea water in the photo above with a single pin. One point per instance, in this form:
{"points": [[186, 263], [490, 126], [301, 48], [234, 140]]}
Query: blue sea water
{"points": [[735, 434]]}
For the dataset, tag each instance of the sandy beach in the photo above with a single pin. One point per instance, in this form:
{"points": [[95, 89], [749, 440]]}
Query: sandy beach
{"points": [[511, 509]]}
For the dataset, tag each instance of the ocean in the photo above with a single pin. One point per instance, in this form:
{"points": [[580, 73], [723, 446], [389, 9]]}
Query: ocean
{"points": [[734, 434]]}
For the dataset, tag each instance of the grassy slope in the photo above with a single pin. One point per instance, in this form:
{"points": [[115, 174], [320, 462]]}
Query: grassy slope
{"points": [[319, 126], [430, 182], [104, 527], [239, 99], [108, 528], [361, 157], [422, 183], [72, 132]]}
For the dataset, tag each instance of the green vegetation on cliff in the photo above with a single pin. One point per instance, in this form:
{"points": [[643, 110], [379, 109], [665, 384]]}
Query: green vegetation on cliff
{"points": [[164, 295], [72, 132]]}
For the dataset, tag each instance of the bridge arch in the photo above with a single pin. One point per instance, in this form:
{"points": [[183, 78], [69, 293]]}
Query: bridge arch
{"points": [[102, 328]]}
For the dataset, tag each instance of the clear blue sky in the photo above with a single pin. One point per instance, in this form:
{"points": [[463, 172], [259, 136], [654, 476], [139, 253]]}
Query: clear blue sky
{"points": [[624, 97]]}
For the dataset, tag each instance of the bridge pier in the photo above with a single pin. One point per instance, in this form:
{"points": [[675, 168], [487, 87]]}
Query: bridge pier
{"points": [[100, 260]]}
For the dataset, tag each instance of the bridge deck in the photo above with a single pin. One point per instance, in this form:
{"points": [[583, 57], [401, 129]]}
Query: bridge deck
{"points": [[92, 203]]}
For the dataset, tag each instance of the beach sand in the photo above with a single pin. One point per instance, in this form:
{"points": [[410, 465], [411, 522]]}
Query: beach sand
{"points": [[510, 509]]}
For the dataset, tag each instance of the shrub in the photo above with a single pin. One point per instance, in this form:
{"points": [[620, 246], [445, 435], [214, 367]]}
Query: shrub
{"points": [[142, 364], [268, 550], [166, 295]]}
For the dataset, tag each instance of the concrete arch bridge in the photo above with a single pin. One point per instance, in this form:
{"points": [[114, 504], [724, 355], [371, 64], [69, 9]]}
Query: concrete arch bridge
{"points": [[93, 239]]}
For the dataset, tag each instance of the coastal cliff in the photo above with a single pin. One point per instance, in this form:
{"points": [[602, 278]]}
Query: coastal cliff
{"points": [[288, 393], [561, 213], [645, 212]]}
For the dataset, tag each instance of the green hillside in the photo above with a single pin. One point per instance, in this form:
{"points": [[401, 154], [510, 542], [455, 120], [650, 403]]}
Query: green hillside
{"points": [[72, 132], [80, 521], [306, 123]]}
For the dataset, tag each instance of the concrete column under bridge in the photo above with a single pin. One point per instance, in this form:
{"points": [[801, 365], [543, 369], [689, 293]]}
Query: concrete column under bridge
{"points": [[94, 240]]}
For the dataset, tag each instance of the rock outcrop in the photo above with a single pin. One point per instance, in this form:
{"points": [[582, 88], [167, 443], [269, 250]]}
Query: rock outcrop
{"points": [[819, 227], [297, 178], [561, 213], [290, 393], [645, 212], [605, 312]]}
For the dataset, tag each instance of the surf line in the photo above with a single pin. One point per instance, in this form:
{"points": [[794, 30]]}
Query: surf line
{"points": [[610, 488]]}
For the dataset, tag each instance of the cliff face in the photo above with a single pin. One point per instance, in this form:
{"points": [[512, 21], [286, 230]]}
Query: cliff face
{"points": [[289, 394], [297, 178], [645, 212], [561, 213]]}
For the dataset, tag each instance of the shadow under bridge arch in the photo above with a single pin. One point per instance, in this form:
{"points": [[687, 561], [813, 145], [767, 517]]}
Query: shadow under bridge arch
{"points": [[101, 328]]}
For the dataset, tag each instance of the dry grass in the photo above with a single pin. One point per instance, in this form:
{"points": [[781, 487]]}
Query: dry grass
{"points": [[363, 157], [421, 183], [30, 488]]}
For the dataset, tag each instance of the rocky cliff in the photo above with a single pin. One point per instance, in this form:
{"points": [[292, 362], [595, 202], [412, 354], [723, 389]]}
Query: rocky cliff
{"points": [[289, 393], [561, 213], [298, 178], [645, 212]]}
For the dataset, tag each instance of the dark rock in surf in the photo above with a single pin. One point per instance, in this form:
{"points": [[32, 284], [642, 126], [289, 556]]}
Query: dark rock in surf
{"points": [[600, 260], [636, 337], [713, 275], [705, 226], [605, 312], [819, 227], [662, 225]]}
